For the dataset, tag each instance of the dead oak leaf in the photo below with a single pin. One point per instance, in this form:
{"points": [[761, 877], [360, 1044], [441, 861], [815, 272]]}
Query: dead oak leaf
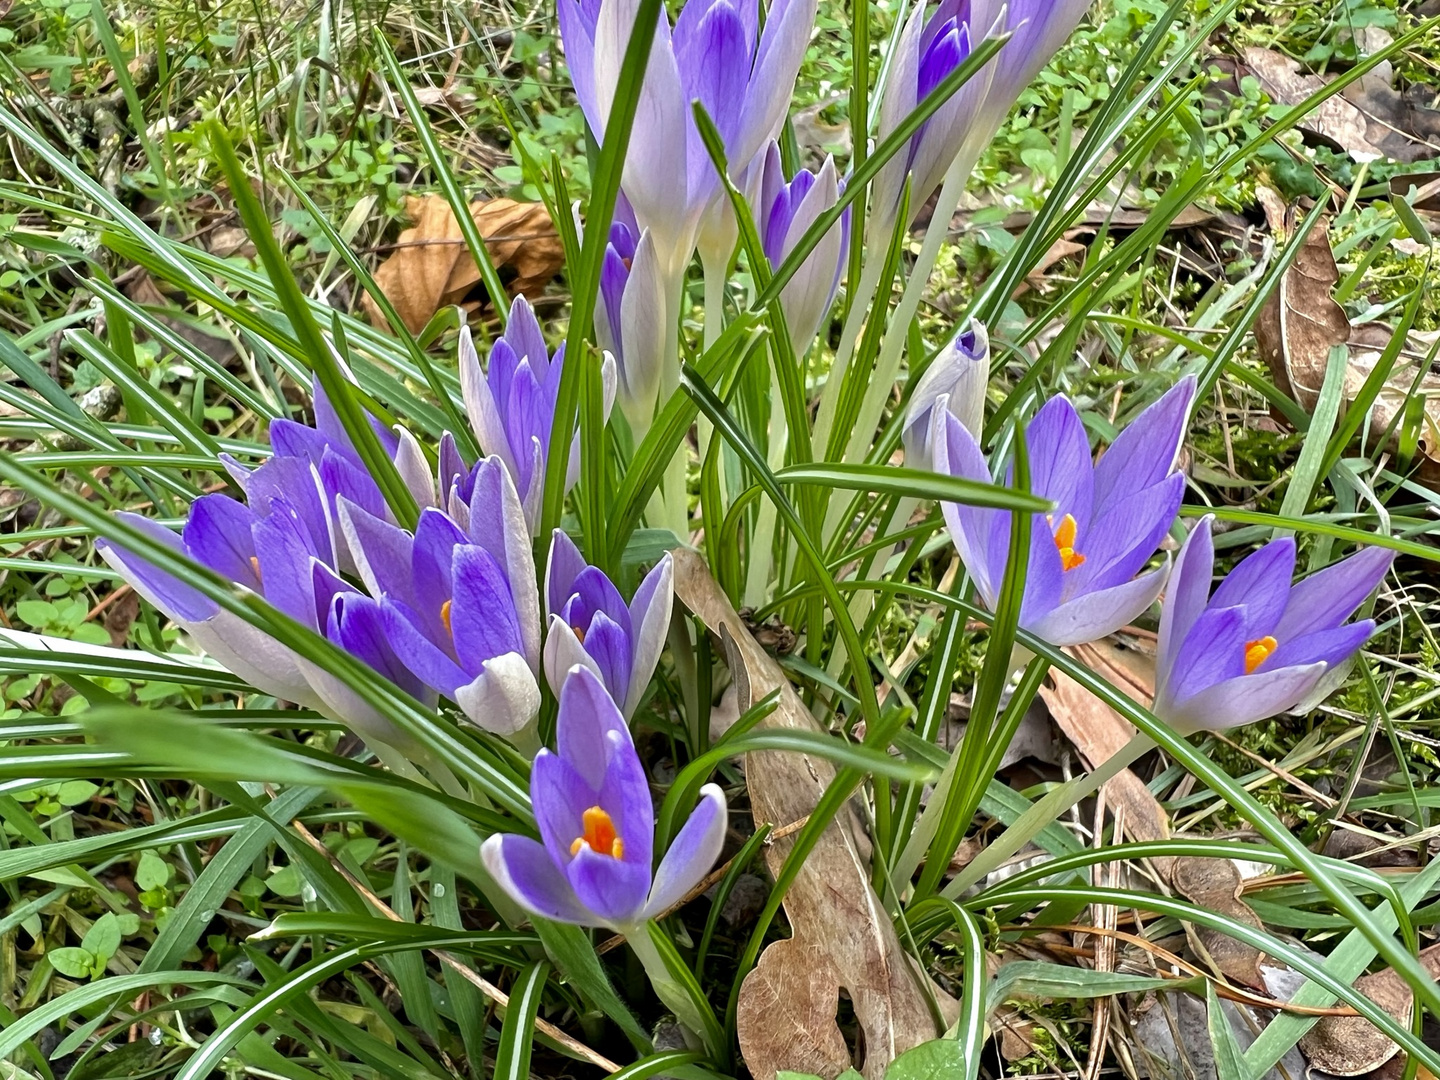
{"points": [[431, 267], [841, 936]]}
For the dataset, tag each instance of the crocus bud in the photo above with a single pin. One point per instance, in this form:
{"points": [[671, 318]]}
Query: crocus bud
{"points": [[630, 319], [954, 381], [787, 210]]}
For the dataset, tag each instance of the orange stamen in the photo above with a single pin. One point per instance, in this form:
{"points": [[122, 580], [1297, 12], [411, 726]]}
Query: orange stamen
{"points": [[445, 617], [1065, 543], [599, 835], [579, 634], [1258, 651], [255, 565]]}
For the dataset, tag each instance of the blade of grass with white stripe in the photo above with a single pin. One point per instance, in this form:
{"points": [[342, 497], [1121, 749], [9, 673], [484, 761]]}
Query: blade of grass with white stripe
{"points": [[517, 1032]]}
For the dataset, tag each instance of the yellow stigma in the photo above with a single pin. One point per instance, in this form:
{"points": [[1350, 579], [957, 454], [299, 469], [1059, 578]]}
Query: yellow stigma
{"points": [[255, 565], [599, 835], [1258, 651], [579, 634], [445, 617], [1065, 543]]}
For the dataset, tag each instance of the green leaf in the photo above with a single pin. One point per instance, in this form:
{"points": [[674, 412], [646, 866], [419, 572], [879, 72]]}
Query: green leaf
{"points": [[39, 613], [1229, 1059], [76, 963], [517, 1033], [102, 940]]}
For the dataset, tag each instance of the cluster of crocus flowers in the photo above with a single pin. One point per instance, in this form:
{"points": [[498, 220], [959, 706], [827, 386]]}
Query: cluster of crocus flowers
{"points": [[593, 864], [1084, 575], [785, 212], [1258, 645], [719, 54], [511, 403]]}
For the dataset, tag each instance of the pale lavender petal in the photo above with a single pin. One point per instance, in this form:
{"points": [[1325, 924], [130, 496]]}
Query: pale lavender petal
{"points": [[694, 851], [162, 589], [1187, 596], [1145, 452], [1260, 585], [587, 717], [625, 796], [650, 622], [498, 525], [481, 617], [564, 565], [522, 867], [614, 889], [714, 66], [286, 567], [1213, 652], [431, 664], [642, 313], [452, 465], [957, 454], [560, 796], [217, 534], [414, 470], [504, 697], [577, 32], [526, 338], [1243, 700], [1330, 647], [254, 656], [563, 652], [778, 56], [1060, 468], [480, 405], [1044, 572], [1327, 598], [381, 552], [357, 626], [1120, 541], [610, 646], [1094, 615]]}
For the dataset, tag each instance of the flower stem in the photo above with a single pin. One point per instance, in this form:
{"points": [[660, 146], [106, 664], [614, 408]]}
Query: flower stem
{"points": [[667, 988]]}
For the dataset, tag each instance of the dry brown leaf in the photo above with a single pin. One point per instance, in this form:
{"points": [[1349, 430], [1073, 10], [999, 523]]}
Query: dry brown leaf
{"points": [[1368, 121], [1351, 1045], [1301, 322], [1214, 884], [1099, 732], [842, 939], [1062, 249], [432, 268]]}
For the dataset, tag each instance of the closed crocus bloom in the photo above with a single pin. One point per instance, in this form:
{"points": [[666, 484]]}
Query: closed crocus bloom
{"points": [[597, 822], [1081, 582], [929, 49], [630, 319], [787, 209], [511, 404], [955, 382], [462, 616], [591, 625], [1259, 645], [718, 55], [1037, 30]]}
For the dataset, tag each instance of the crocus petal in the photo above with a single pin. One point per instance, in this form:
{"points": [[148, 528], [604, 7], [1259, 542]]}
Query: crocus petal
{"points": [[1243, 700], [958, 454], [642, 314], [696, 847], [253, 655], [1146, 450], [382, 552], [590, 717], [563, 652], [1060, 468], [161, 588], [650, 622], [1330, 596], [480, 405], [1120, 541], [357, 625], [1260, 585], [497, 523], [560, 796], [1212, 652], [1096, 614], [958, 376], [525, 336], [217, 533], [1189, 590], [504, 697], [577, 32], [482, 619], [415, 470], [522, 867], [1329, 647], [778, 55], [609, 644], [807, 296], [564, 565], [614, 889], [431, 664]]}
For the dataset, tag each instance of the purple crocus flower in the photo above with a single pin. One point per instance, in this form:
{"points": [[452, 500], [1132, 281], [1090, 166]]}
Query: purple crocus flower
{"points": [[928, 50], [460, 609], [630, 315], [593, 806], [718, 54], [1109, 517], [274, 555], [787, 209], [955, 382], [590, 624], [1259, 645], [512, 404]]}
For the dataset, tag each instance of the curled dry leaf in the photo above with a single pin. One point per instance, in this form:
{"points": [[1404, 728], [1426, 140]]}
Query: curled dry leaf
{"points": [[1351, 1045], [1098, 732], [841, 937], [1301, 322], [1214, 884], [432, 268]]}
